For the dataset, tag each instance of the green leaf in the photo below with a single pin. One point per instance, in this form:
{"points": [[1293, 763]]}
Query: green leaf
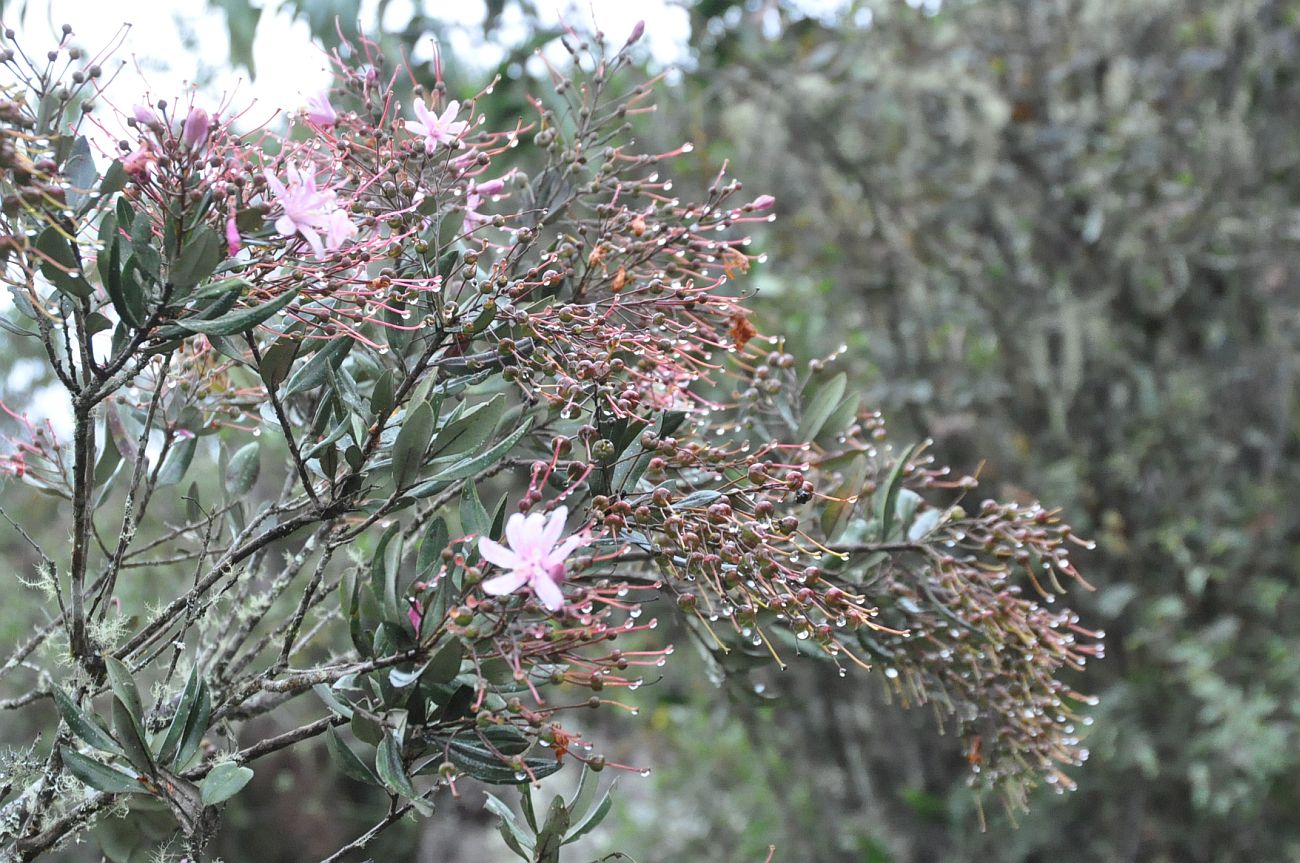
{"points": [[381, 396], [178, 461], [474, 464], [412, 443], [99, 776], [198, 259], [435, 540], [471, 429], [243, 469], [445, 664], [195, 727], [593, 818], [80, 173], [820, 407], [843, 415], [241, 22], [384, 570], [473, 517], [844, 497], [129, 733], [348, 761], [225, 781], [240, 321], [332, 701], [123, 290], [316, 370], [84, 725], [519, 841], [388, 764], [552, 835], [277, 360], [115, 178], [889, 501], [123, 684], [485, 766], [185, 708], [60, 265]]}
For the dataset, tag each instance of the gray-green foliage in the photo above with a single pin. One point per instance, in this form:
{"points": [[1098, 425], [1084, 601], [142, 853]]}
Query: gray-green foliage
{"points": [[1064, 233]]}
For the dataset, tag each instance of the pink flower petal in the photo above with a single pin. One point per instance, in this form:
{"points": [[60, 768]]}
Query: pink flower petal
{"points": [[561, 552], [505, 583], [554, 526], [549, 593], [498, 554], [515, 530]]}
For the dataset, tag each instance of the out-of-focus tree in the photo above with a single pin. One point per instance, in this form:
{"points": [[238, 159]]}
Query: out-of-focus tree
{"points": [[1061, 235]]}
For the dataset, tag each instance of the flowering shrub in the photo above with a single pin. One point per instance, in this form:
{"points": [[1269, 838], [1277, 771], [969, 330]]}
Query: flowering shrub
{"points": [[386, 339]]}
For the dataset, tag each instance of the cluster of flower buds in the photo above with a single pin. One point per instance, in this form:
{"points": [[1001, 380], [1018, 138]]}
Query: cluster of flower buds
{"points": [[34, 453]]}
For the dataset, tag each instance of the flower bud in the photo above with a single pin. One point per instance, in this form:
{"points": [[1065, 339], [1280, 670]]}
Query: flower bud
{"points": [[194, 134], [144, 115]]}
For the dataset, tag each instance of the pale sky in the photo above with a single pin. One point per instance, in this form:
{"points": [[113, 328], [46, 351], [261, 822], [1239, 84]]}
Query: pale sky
{"points": [[288, 65]]}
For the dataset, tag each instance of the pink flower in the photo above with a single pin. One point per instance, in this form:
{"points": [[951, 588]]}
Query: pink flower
{"points": [[233, 243], [339, 230], [139, 161], [319, 110], [308, 211], [763, 202], [533, 558], [474, 197], [435, 129], [195, 131]]}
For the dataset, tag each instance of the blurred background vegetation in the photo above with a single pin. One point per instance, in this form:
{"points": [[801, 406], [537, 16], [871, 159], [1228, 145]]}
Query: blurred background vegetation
{"points": [[1061, 238]]}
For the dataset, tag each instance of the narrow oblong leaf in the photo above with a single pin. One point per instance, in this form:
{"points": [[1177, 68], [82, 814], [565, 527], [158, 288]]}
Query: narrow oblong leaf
{"points": [[277, 360], [80, 173], [98, 775], [129, 734], [316, 370], [474, 464], [473, 516], [82, 724], [123, 684], [435, 540], [510, 829], [240, 320], [59, 264], [195, 727], [551, 836], [184, 709], [483, 765], [348, 761], [412, 443], [820, 407], [178, 461], [889, 500], [470, 429], [388, 764]]}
